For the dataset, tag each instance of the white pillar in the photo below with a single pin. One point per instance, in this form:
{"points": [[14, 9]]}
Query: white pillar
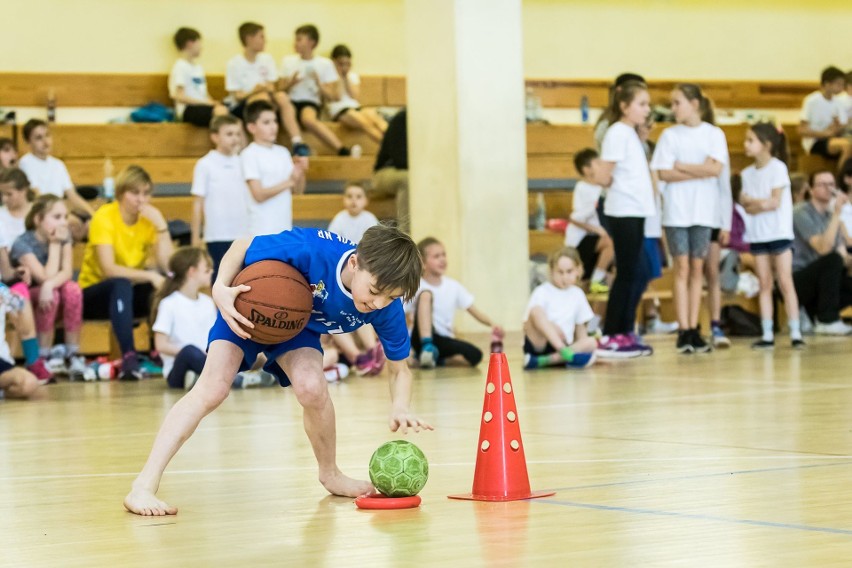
{"points": [[467, 146]]}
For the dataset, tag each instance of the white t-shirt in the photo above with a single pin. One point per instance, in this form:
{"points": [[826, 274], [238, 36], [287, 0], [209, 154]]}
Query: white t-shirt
{"points": [[10, 228], [48, 176], [243, 75], [631, 193], [219, 180], [759, 183], [352, 228], [447, 297], [5, 352], [820, 112], [845, 101], [184, 321], [654, 223], [346, 99], [846, 217], [693, 202], [312, 73], [191, 77], [270, 165], [565, 307], [584, 208]]}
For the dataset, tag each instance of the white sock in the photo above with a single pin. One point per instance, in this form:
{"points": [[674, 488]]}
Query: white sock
{"points": [[599, 275], [795, 329], [766, 325]]}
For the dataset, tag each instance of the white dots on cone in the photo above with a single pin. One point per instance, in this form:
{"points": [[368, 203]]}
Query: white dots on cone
{"points": [[490, 388], [488, 416], [510, 416], [507, 387], [514, 445], [485, 445]]}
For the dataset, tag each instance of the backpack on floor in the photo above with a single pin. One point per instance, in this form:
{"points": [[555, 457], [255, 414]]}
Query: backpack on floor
{"points": [[740, 322]]}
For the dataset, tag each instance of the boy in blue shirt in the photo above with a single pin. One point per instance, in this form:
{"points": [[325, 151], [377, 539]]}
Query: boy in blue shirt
{"points": [[351, 287]]}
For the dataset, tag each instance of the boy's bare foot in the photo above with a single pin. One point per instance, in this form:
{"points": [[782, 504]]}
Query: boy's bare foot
{"points": [[145, 503], [339, 484]]}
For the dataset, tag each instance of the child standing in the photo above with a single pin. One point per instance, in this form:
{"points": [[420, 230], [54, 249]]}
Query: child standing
{"points": [[352, 287], [347, 110], [354, 220], [270, 172], [220, 195], [584, 231], [556, 317], [45, 251], [689, 158], [823, 119], [309, 79], [630, 199], [768, 202], [188, 85], [437, 300]]}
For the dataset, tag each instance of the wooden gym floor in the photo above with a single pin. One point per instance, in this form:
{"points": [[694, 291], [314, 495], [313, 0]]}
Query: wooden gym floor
{"points": [[731, 459]]}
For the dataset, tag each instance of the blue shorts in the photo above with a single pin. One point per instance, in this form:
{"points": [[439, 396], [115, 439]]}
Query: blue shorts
{"points": [[251, 349], [653, 258], [771, 247]]}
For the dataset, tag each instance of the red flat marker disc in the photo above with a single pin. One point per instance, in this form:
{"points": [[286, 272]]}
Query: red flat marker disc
{"points": [[381, 502]]}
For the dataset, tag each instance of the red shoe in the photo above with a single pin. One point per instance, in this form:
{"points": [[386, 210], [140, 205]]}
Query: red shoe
{"points": [[41, 372]]}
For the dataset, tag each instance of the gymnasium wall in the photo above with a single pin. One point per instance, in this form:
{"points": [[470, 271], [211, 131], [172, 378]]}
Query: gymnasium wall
{"points": [[707, 39]]}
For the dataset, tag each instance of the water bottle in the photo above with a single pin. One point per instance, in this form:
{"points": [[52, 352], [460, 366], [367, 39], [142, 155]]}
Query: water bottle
{"points": [[584, 109], [51, 106], [109, 181], [530, 105], [540, 212]]}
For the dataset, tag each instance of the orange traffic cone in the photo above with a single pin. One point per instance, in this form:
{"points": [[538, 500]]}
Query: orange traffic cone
{"points": [[501, 467]]}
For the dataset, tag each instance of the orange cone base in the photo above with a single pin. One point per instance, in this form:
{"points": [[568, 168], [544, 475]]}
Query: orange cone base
{"points": [[531, 495]]}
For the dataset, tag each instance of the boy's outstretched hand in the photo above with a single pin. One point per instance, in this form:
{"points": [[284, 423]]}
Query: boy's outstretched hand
{"points": [[402, 420]]}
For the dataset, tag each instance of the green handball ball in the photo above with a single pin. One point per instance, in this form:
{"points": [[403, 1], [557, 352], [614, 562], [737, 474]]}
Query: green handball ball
{"points": [[399, 469]]}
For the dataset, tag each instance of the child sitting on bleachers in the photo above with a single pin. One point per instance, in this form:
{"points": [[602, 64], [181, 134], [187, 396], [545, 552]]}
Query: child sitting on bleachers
{"points": [[584, 231], [556, 317], [48, 175], [823, 119], [439, 296], [45, 251], [220, 199], [354, 220], [271, 174], [15, 382], [347, 110], [188, 85], [252, 76], [308, 79], [8, 153]]}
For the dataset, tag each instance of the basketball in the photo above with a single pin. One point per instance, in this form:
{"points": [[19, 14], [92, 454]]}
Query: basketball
{"points": [[279, 303], [399, 469]]}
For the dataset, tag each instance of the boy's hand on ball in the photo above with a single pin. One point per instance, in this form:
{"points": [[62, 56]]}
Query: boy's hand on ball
{"points": [[224, 296], [402, 420]]}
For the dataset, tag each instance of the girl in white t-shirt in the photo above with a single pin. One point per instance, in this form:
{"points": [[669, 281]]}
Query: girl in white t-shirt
{"points": [[767, 199], [689, 158], [556, 317], [347, 109], [630, 199]]}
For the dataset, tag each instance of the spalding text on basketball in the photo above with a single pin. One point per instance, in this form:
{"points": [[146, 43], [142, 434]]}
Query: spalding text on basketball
{"points": [[278, 320]]}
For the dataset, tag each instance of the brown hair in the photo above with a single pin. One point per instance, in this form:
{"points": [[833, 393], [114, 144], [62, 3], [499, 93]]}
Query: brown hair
{"points": [[692, 92], [19, 181], [798, 182], [180, 262], [218, 122], [623, 95], [392, 258], [362, 183], [770, 134], [132, 176], [248, 29], [310, 31], [254, 109], [185, 35], [6, 143], [39, 209], [569, 253], [31, 125], [340, 50], [426, 243]]}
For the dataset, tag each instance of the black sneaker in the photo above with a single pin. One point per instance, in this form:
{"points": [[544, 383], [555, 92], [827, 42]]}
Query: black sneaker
{"points": [[344, 151], [698, 342], [797, 344], [684, 345], [130, 370], [763, 344], [301, 149]]}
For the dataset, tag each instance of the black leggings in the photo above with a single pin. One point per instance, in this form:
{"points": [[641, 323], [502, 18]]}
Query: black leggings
{"points": [[447, 346], [823, 287], [190, 358], [631, 273], [119, 301]]}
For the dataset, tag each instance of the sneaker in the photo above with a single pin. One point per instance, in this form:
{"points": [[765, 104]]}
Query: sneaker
{"points": [[356, 151], [189, 380], [344, 151], [364, 363], [150, 368], [763, 344], [581, 361], [806, 323], [698, 342], [41, 372], [656, 326], [56, 365], [248, 379], [301, 150], [336, 372], [130, 370], [378, 353], [78, 370], [720, 340], [598, 288], [617, 347], [644, 349], [684, 343], [428, 358], [836, 327], [798, 343]]}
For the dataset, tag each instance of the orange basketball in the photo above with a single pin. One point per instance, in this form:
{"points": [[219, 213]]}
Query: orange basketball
{"points": [[279, 302]]}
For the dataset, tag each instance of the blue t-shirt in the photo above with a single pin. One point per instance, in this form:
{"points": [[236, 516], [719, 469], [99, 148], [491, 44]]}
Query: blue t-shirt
{"points": [[321, 256]]}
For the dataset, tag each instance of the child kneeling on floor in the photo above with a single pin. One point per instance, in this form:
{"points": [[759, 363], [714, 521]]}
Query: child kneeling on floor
{"points": [[556, 317]]}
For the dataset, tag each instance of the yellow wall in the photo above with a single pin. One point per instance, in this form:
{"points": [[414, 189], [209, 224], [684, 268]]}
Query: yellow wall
{"points": [[711, 39]]}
